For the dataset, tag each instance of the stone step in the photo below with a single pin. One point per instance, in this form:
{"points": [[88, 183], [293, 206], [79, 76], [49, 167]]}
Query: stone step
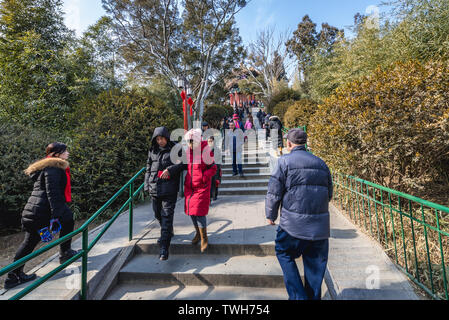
{"points": [[262, 159], [246, 170], [253, 149], [252, 176], [177, 292], [247, 165], [244, 191], [243, 183], [210, 270], [262, 162], [254, 153], [216, 246]]}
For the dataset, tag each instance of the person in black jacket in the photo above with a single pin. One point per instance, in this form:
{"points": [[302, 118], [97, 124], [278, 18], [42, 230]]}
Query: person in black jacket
{"points": [[162, 183], [266, 126], [51, 193], [276, 125]]}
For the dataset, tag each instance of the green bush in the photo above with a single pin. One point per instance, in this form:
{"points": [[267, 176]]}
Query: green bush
{"points": [[285, 94], [111, 144], [390, 128], [214, 115], [281, 108], [299, 113], [19, 146]]}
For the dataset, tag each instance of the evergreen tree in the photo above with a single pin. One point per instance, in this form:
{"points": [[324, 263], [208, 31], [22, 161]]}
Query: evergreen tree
{"points": [[40, 75]]}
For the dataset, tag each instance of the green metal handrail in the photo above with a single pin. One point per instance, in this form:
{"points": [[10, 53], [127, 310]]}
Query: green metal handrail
{"points": [[86, 247], [424, 266]]}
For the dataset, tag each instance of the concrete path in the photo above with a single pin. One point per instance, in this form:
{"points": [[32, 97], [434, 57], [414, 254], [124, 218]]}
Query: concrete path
{"points": [[359, 269], [239, 264]]}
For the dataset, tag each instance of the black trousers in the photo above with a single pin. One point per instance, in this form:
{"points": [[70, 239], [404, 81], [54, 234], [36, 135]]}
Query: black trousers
{"points": [[32, 239], [164, 211], [214, 189]]}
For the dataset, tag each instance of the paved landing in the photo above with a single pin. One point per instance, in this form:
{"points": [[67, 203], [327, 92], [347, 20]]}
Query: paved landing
{"points": [[359, 269]]}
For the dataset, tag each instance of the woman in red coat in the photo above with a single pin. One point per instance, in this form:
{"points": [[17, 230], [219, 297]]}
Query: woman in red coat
{"points": [[197, 184]]}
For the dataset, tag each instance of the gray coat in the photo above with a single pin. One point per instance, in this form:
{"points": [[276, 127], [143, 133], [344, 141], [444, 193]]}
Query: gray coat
{"points": [[302, 187]]}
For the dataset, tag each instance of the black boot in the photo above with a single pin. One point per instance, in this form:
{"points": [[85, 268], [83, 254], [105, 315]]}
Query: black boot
{"points": [[63, 257], [16, 278], [163, 254]]}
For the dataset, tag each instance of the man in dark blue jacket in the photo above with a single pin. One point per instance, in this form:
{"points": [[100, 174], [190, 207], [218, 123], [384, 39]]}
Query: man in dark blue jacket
{"points": [[302, 187]]}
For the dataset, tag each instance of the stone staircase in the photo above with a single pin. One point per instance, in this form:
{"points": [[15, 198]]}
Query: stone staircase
{"points": [[240, 263], [255, 168]]}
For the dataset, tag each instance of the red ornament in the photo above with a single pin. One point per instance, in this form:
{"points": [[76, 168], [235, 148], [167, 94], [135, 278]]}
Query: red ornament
{"points": [[183, 95], [191, 103]]}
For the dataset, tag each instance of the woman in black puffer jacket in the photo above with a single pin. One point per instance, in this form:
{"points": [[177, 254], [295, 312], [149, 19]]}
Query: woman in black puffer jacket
{"points": [[51, 193]]}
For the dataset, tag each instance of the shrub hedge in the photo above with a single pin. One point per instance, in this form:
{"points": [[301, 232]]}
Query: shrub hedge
{"points": [[108, 144], [111, 144], [299, 113], [281, 108], [285, 94], [214, 115], [391, 128], [20, 145]]}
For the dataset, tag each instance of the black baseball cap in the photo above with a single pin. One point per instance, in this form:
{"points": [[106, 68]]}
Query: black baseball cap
{"points": [[296, 136]]}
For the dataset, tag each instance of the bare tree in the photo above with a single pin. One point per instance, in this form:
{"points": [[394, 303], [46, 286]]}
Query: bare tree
{"points": [[267, 63], [202, 43]]}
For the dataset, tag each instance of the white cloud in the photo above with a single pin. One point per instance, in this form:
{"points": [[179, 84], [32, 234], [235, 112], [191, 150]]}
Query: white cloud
{"points": [[72, 9], [263, 16]]}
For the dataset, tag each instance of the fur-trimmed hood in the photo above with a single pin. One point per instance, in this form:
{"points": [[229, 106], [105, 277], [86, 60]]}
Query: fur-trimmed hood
{"points": [[45, 163]]}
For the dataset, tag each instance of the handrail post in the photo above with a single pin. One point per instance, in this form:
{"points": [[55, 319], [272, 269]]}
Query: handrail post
{"points": [[131, 207], [84, 264]]}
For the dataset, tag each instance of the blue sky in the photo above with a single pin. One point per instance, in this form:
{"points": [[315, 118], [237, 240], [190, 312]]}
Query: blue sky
{"points": [[259, 14]]}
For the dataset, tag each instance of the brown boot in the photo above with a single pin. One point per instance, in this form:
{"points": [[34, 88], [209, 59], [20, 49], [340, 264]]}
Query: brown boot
{"points": [[204, 239], [197, 236]]}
